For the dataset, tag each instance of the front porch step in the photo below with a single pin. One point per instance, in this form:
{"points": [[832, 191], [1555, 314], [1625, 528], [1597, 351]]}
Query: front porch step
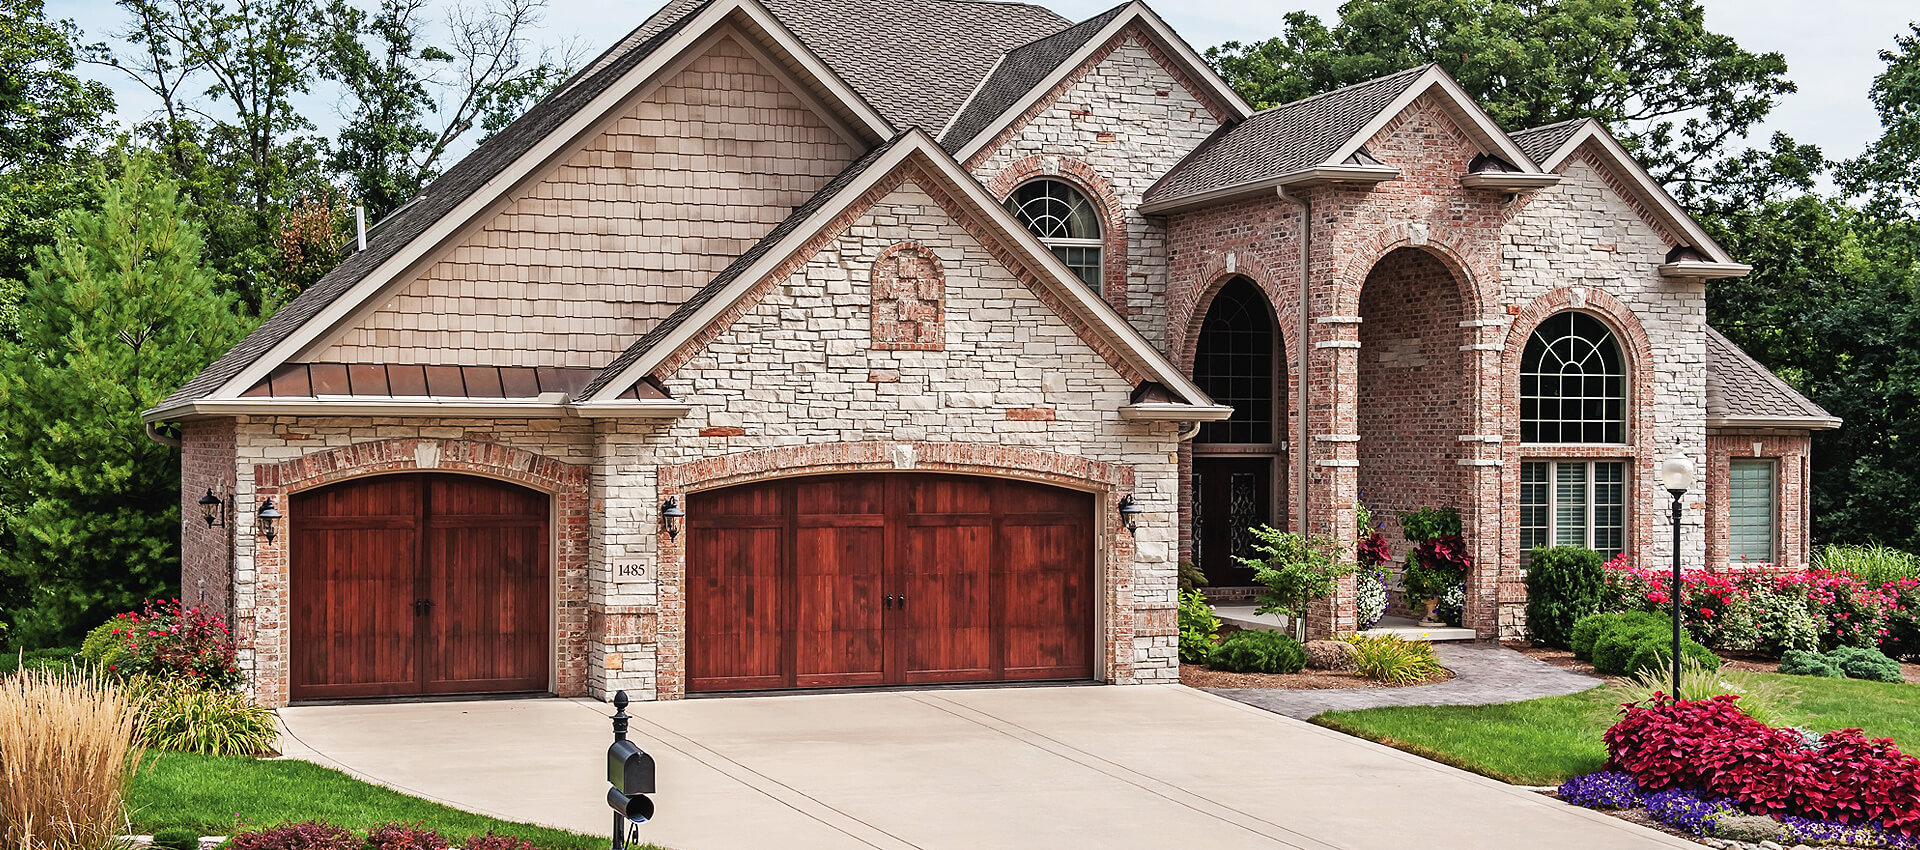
{"points": [[1242, 615]]}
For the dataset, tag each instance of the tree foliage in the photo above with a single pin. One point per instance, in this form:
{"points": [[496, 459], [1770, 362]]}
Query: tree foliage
{"points": [[120, 312], [1678, 93]]}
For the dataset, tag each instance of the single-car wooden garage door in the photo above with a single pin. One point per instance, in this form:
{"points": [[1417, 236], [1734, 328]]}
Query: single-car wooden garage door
{"points": [[418, 584], [890, 578]]}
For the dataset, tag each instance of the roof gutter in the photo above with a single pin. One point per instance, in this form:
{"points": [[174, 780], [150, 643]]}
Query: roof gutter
{"points": [[1701, 270], [1792, 423], [1319, 175], [1167, 411]]}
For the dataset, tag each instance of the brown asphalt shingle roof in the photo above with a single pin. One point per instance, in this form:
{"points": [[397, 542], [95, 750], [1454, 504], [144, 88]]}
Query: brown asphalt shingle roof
{"points": [[1018, 72], [1540, 142], [1738, 387], [1283, 139]]}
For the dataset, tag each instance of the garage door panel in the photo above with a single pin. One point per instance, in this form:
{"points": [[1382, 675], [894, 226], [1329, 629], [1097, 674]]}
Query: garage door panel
{"points": [[839, 618], [1048, 600], [489, 627], [734, 596], [947, 629], [351, 588]]}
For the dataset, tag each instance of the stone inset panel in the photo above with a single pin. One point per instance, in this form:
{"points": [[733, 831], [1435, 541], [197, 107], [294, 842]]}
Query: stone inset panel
{"points": [[909, 300]]}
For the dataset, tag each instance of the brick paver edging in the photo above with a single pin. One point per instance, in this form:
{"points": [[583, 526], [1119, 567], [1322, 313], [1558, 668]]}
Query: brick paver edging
{"points": [[1483, 674]]}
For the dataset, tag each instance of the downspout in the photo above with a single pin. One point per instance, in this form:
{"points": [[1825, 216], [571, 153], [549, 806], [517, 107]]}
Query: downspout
{"points": [[155, 435], [1303, 353]]}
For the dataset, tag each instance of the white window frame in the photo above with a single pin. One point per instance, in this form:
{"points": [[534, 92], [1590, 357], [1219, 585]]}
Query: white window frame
{"points": [[1098, 244], [1773, 509], [1553, 501]]}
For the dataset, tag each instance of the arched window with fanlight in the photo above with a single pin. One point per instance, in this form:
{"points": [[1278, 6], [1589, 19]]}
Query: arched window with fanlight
{"points": [[1573, 383], [1066, 222]]}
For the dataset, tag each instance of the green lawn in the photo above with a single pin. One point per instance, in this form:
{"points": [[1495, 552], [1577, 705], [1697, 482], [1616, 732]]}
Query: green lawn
{"points": [[208, 794], [1544, 741]]}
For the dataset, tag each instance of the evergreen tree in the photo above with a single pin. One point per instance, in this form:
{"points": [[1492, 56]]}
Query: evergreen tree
{"points": [[118, 312]]}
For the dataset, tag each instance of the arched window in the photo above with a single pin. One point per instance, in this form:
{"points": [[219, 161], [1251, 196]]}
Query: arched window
{"points": [[1233, 363], [1573, 383], [1065, 221]]}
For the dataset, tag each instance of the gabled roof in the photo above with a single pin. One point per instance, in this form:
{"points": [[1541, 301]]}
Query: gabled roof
{"points": [[1325, 130], [732, 284], [1025, 74], [1551, 145], [486, 174], [915, 60], [1743, 393]]}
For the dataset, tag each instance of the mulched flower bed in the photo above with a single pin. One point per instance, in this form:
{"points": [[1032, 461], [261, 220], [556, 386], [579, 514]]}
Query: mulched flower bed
{"points": [[1198, 676]]}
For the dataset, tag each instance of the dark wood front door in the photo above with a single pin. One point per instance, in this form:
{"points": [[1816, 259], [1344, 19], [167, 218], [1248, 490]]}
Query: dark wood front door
{"points": [[418, 584], [1230, 496], [874, 579]]}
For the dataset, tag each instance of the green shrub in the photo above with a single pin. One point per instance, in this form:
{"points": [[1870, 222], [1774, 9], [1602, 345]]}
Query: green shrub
{"points": [[1784, 619], [176, 839], [1800, 662], [55, 659], [1253, 651], [1859, 662], [1391, 658], [1656, 653], [1874, 565], [184, 718], [1198, 627], [1763, 697], [1296, 570], [103, 646], [1581, 637], [1623, 644], [1564, 584]]}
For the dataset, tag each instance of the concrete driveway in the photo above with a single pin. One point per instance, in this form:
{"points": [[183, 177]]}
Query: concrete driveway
{"points": [[1048, 767]]}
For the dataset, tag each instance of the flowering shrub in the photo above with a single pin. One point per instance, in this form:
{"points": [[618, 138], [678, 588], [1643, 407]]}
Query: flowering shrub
{"points": [[1606, 789], [167, 640], [305, 835], [1775, 612], [1712, 746], [1848, 612], [1902, 637]]}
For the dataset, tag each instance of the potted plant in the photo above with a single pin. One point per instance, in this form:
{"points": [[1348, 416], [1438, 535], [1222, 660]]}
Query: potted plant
{"points": [[1439, 559], [1371, 554]]}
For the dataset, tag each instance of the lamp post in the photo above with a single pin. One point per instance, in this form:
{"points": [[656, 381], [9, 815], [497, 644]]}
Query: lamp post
{"points": [[1676, 473]]}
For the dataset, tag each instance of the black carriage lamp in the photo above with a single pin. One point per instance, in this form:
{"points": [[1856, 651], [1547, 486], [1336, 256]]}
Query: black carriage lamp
{"points": [[671, 514], [1130, 512], [268, 513], [213, 509]]}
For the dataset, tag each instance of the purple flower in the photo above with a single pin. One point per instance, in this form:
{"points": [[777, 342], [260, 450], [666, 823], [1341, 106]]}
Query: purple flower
{"points": [[1687, 810], [1606, 789], [1804, 830]]}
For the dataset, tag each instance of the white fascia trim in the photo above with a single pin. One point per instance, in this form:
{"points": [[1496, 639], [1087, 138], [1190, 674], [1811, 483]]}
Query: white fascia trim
{"points": [[1463, 106], [1664, 204], [1508, 181], [631, 409], [443, 407], [1167, 411], [1704, 270], [1135, 11], [563, 136], [1791, 423], [1088, 306], [1318, 175]]}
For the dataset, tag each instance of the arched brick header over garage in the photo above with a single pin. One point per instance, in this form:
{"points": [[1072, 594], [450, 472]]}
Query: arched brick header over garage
{"points": [[565, 483], [1117, 618], [1113, 214]]}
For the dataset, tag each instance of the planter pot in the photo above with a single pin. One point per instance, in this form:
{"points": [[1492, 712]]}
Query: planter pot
{"points": [[1426, 611]]}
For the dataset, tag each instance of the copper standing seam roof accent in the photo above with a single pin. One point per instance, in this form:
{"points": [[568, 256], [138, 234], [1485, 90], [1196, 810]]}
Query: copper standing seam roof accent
{"points": [[394, 380]]}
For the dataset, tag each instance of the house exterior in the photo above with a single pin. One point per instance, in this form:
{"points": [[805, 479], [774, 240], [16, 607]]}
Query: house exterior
{"points": [[813, 343]]}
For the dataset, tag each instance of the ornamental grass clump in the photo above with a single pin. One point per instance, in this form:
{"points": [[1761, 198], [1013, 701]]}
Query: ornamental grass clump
{"points": [[1761, 697], [181, 717], [67, 750], [1393, 659]]}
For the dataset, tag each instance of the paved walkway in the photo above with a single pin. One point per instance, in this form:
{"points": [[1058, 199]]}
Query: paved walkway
{"points": [[1483, 674], [1061, 768]]}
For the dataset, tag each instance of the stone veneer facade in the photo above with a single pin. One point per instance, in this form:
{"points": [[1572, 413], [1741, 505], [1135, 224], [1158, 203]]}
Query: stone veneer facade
{"points": [[1418, 298]]}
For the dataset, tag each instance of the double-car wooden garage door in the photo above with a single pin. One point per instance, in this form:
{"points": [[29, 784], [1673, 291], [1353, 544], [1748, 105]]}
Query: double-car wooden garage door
{"points": [[418, 584], [894, 578]]}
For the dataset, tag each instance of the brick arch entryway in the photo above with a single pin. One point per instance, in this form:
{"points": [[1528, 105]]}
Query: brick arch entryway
{"points": [[1239, 468]]}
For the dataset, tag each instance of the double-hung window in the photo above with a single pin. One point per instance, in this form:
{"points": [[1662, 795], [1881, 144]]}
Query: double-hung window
{"points": [[1574, 503], [1751, 510]]}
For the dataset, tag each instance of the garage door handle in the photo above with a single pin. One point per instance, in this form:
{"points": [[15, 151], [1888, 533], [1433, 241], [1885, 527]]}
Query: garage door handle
{"points": [[422, 606], [887, 602]]}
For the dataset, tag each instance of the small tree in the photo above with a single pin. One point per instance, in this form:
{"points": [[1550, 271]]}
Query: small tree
{"points": [[118, 312], [1297, 571]]}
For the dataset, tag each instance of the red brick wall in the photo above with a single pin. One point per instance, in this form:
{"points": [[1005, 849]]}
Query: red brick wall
{"points": [[1413, 389], [1792, 454], [206, 554]]}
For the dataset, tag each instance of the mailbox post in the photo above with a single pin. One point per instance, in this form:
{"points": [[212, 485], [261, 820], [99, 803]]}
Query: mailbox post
{"points": [[629, 777]]}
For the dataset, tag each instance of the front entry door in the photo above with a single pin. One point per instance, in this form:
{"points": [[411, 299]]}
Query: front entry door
{"points": [[1230, 496], [418, 584]]}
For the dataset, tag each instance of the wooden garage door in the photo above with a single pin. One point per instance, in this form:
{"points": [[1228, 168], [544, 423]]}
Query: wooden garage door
{"points": [[875, 579], [418, 584]]}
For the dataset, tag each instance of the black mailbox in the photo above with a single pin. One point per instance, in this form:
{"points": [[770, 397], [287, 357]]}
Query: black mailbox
{"points": [[629, 768], [636, 809]]}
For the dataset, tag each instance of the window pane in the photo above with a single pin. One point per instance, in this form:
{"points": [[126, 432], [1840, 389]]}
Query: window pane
{"points": [[1572, 383], [1750, 510], [1609, 508], [1570, 504], [1235, 363], [1533, 505]]}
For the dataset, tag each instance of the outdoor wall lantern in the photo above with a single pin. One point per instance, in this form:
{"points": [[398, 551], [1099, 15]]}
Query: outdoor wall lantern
{"points": [[268, 513], [1130, 512], [670, 515], [1676, 473], [213, 509]]}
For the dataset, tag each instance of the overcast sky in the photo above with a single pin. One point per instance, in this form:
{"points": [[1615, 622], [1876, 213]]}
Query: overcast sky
{"points": [[1832, 46]]}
